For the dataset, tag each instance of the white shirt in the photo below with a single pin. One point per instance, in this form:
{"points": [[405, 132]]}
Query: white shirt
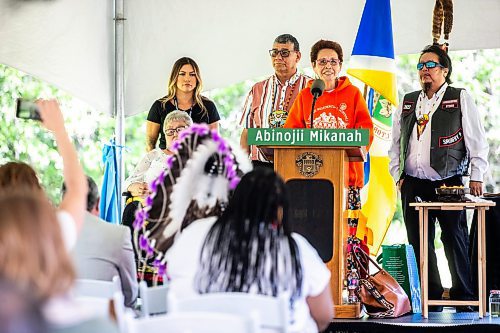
{"points": [[183, 261], [68, 229], [417, 162], [148, 169]]}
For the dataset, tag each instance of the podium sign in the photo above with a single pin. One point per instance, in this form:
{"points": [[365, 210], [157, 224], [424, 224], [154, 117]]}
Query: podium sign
{"points": [[314, 163], [315, 137]]}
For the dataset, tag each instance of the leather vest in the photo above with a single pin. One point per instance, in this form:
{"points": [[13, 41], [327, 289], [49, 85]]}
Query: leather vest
{"points": [[449, 155]]}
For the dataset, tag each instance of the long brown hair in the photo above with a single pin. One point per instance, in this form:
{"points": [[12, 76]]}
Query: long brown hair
{"points": [[32, 251], [172, 82], [18, 175]]}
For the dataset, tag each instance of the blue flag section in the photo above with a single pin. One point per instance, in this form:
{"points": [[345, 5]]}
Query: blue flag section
{"points": [[374, 36], [110, 203]]}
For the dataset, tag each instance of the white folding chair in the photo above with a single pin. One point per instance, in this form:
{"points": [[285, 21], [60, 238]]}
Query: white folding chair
{"points": [[97, 288], [273, 312], [189, 322], [96, 295], [154, 299]]}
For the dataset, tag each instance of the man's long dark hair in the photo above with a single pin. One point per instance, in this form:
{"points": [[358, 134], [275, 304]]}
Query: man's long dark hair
{"points": [[250, 247]]}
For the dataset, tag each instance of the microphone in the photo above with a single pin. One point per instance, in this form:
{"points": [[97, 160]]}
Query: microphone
{"points": [[317, 88]]}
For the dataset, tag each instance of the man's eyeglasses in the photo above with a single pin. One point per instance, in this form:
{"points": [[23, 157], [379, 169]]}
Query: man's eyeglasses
{"points": [[428, 64], [284, 53], [173, 131], [324, 61]]}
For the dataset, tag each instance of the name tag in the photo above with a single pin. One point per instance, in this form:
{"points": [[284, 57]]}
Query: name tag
{"points": [[450, 104], [445, 141], [407, 106]]}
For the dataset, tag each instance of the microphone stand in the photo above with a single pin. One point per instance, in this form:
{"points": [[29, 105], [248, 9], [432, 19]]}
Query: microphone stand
{"points": [[315, 97]]}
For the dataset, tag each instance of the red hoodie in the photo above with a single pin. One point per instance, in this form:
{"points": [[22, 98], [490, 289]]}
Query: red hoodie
{"points": [[343, 107]]}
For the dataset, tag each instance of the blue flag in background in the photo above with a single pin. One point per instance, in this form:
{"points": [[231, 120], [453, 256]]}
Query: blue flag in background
{"points": [[372, 61]]}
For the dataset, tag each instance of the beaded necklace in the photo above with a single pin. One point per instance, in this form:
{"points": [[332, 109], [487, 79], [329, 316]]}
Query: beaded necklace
{"points": [[423, 118], [277, 117], [288, 98]]}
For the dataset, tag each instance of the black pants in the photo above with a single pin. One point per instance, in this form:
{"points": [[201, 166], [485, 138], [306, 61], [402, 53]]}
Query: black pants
{"points": [[454, 235]]}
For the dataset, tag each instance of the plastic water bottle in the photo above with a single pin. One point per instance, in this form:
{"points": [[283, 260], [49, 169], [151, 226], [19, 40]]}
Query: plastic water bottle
{"points": [[352, 286], [494, 303]]}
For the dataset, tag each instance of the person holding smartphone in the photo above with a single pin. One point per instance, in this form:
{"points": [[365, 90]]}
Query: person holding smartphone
{"points": [[18, 175]]}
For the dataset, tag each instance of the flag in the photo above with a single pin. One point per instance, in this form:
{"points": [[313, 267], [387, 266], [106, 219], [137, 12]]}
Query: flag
{"points": [[372, 62], [109, 206]]}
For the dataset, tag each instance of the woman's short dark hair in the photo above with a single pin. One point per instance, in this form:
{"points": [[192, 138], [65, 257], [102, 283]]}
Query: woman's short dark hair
{"points": [[444, 58], [326, 44]]}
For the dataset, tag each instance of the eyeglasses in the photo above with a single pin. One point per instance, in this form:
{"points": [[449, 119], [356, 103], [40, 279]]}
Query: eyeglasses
{"points": [[428, 64], [173, 131], [284, 53], [324, 61]]}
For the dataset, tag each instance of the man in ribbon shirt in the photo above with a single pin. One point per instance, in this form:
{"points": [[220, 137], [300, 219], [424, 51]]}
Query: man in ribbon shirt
{"points": [[437, 135], [268, 102]]}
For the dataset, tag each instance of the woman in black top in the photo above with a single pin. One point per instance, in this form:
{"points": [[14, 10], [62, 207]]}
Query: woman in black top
{"points": [[184, 93]]}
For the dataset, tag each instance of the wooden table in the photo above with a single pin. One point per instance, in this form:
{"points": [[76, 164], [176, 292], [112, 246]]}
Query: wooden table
{"points": [[423, 214]]}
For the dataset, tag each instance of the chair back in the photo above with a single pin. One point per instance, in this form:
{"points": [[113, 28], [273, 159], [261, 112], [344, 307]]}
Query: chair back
{"points": [[99, 296], [97, 288], [273, 312], [188, 322], [154, 299]]}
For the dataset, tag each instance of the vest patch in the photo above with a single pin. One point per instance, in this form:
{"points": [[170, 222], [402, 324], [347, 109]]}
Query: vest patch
{"points": [[450, 104], [407, 106], [445, 141]]}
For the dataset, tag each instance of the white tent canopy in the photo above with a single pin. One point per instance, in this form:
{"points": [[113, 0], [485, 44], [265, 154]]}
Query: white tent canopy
{"points": [[70, 42]]}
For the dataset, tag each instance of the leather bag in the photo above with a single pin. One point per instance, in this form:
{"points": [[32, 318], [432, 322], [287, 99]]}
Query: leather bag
{"points": [[380, 293]]}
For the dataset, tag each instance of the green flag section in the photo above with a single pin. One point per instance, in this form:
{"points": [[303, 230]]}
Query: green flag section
{"points": [[308, 137], [383, 110]]}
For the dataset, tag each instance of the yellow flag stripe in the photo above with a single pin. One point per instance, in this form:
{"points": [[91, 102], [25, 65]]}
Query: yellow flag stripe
{"points": [[380, 205], [383, 82]]}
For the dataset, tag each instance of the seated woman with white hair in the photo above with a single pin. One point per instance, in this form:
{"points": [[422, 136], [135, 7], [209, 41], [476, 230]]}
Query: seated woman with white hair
{"points": [[154, 162]]}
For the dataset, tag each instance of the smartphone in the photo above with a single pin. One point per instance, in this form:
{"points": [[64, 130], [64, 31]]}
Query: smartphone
{"points": [[27, 110]]}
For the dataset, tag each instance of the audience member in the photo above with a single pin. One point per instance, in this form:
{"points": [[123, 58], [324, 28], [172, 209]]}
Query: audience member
{"points": [[250, 248], [104, 250], [19, 312], [35, 238], [32, 248], [154, 161], [184, 94], [196, 184], [18, 175]]}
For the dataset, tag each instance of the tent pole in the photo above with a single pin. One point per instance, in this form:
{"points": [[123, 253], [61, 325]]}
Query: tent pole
{"points": [[119, 93]]}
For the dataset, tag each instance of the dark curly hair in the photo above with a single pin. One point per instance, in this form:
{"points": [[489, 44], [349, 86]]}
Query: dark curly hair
{"points": [[326, 44]]}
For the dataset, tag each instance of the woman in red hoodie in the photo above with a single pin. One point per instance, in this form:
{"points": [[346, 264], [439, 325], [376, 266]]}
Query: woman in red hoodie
{"points": [[340, 106]]}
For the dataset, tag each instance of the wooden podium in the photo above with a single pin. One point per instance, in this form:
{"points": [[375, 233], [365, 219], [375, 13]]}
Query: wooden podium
{"points": [[316, 174], [333, 169]]}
